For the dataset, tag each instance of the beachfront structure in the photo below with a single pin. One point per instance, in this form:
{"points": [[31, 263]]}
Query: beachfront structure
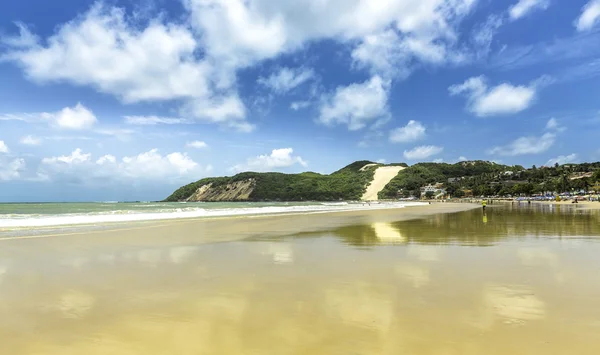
{"points": [[436, 189]]}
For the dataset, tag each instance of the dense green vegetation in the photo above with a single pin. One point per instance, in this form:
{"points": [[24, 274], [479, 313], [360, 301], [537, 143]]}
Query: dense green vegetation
{"points": [[348, 183], [490, 179], [409, 181]]}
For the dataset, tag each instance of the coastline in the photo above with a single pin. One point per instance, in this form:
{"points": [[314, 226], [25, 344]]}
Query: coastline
{"points": [[224, 229]]}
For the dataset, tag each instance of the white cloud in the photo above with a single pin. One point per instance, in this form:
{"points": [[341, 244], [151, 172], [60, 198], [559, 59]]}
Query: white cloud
{"points": [[195, 60], [228, 111], [3, 147], [526, 145], [590, 16], [76, 157], [524, 7], [287, 79], [197, 144], [104, 50], [242, 32], [11, 169], [438, 160], [484, 33], [278, 159], [502, 99], [462, 158], [422, 152], [74, 118], [151, 166], [298, 105], [356, 105], [106, 159], [412, 132], [563, 159], [554, 125], [155, 120], [30, 140]]}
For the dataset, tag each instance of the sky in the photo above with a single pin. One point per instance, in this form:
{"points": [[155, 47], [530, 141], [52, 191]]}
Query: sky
{"points": [[127, 100]]}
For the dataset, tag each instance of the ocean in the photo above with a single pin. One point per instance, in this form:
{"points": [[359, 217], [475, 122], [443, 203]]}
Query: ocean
{"points": [[32, 215]]}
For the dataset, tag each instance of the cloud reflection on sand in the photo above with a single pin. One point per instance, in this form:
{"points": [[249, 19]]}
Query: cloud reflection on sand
{"points": [[513, 304], [417, 275]]}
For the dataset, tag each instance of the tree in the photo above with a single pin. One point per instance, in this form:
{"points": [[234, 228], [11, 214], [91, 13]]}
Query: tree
{"points": [[429, 195], [459, 193]]}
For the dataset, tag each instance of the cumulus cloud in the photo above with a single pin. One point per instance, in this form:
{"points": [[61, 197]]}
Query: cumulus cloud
{"points": [[531, 144], [3, 147], [76, 157], [422, 152], [563, 159], [526, 145], [391, 55], [356, 105], [195, 60], [413, 131], [105, 50], [80, 168], [462, 158], [77, 117], [524, 7], [590, 16], [287, 79], [502, 99], [197, 144], [11, 169], [278, 159], [30, 140]]}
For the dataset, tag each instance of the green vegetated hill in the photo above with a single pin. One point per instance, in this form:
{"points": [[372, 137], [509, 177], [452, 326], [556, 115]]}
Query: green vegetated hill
{"points": [[348, 183], [491, 179]]}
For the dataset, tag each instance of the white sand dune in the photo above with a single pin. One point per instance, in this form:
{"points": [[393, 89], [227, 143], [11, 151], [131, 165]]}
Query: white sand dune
{"points": [[383, 175]]}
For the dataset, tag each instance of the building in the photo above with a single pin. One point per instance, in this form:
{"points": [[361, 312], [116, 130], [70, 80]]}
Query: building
{"points": [[437, 190]]}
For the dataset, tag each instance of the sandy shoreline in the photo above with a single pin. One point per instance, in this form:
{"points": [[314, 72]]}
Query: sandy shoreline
{"points": [[222, 229]]}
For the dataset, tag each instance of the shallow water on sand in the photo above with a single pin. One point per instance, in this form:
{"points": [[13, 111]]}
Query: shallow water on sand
{"points": [[517, 280]]}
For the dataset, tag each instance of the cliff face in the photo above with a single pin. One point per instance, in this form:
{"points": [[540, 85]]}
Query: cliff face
{"points": [[234, 191]]}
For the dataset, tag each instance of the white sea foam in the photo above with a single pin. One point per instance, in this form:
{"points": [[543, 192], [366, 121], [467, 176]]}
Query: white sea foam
{"points": [[33, 221]]}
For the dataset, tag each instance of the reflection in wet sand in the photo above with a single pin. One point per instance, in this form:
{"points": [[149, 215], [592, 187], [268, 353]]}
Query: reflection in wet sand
{"points": [[413, 287], [538, 257], [387, 234], [417, 275], [75, 304], [514, 304], [360, 304]]}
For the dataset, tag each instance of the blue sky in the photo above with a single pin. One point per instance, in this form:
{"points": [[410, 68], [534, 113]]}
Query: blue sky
{"points": [[126, 100]]}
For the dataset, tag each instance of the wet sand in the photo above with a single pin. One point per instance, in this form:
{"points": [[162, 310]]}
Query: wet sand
{"points": [[223, 229], [512, 280], [595, 205]]}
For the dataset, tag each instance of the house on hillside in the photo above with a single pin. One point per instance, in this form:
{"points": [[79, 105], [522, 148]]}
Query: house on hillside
{"points": [[437, 190]]}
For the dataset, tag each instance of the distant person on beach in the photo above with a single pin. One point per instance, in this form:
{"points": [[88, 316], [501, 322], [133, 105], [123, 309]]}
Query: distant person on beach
{"points": [[484, 204]]}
